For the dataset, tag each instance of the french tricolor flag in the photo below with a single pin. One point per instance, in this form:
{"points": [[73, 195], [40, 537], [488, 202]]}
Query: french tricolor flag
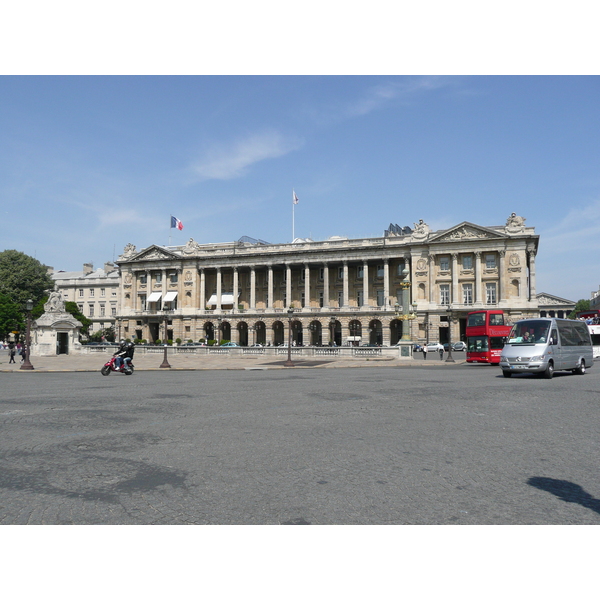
{"points": [[176, 223]]}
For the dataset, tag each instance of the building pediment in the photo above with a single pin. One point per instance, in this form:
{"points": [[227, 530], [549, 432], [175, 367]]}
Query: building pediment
{"points": [[467, 231], [545, 299], [150, 253]]}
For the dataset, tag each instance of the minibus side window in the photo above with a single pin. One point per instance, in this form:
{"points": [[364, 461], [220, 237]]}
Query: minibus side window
{"points": [[554, 338]]}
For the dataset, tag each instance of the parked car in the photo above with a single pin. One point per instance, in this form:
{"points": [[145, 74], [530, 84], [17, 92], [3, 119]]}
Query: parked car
{"points": [[230, 345], [459, 346], [434, 347]]}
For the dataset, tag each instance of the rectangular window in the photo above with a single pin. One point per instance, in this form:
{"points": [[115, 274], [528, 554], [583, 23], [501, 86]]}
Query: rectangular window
{"points": [[143, 279], [102, 291], [113, 311], [340, 272], [302, 300], [359, 298], [102, 310], [444, 263], [490, 293], [142, 298], [321, 301], [91, 310], [340, 298], [380, 298], [321, 273], [174, 278], [92, 292], [360, 273], [158, 278], [379, 270], [400, 268], [490, 261], [445, 294], [467, 262], [467, 293], [80, 307], [81, 292]]}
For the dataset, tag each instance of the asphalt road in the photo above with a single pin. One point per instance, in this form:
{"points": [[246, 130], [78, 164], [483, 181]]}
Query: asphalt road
{"points": [[339, 446]]}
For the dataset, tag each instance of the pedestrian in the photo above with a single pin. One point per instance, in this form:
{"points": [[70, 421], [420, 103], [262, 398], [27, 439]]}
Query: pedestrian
{"points": [[442, 353], [22, 353], [425, 352], [12, 352]]}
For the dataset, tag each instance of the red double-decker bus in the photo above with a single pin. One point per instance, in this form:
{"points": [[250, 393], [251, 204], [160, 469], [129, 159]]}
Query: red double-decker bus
{"points": [[486, 331]]}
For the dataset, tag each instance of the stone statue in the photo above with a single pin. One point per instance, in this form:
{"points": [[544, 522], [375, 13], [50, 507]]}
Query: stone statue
{"points": [[55, 303], [128, 251], [191, 247], [515, 224], [421, 230]]}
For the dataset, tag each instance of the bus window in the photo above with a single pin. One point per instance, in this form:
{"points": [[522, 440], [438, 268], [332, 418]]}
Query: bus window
{"points": [[477, 344], [497, 343], [496, 319], [476, 320]]}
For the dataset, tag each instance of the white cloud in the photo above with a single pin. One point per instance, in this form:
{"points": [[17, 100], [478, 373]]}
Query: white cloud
{"points": [[377, 96], [229, 162]]}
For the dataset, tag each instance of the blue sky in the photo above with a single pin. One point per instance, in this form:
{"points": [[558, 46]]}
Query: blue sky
{"points": [[91, 163]]}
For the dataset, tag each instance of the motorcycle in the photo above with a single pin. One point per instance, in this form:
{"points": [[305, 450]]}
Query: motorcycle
{"points": [[126, 367]]}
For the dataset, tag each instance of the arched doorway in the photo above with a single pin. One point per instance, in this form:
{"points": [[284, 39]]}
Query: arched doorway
{"points": [[260, 333], [355, 329], [395, 331], [335, 330], [297, 333], [209, 331], [278, 333], [375, 333], [242, 333], [316, 334]]}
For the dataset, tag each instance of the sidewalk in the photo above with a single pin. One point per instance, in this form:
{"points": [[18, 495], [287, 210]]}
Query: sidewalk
{"points": [[188, 362]]}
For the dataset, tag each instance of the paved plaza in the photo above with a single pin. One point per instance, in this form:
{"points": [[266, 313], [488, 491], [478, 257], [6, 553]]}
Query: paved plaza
{"points": [[397, 444]]}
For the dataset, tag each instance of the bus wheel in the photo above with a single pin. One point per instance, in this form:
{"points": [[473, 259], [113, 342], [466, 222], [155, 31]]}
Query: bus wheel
{"points": [[580, 370], [549, 371], [506, 373]]}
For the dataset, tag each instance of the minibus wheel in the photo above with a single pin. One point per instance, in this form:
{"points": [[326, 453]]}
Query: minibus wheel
{"points": [[580, 370], [549, 371], [506, 373]]}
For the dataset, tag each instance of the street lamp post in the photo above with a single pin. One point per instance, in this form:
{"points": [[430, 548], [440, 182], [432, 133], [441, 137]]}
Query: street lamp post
{"points": [[219, 319], [27, 366], [450, 359], [288, 362], [165, 363]]}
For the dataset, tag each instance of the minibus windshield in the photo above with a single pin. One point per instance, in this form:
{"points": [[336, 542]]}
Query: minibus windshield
{"points": [[529, 332]]}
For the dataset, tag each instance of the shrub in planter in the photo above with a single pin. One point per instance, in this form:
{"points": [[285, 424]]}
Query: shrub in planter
{"points": [[157, 342]]}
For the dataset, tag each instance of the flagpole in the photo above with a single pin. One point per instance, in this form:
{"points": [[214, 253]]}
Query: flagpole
{"points": [[170, 221], [293, 226]]}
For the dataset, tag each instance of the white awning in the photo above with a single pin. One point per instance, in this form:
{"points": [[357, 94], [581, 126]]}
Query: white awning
{"points": [[154, 297], [226, 299], [170, 296], [353, 338]]}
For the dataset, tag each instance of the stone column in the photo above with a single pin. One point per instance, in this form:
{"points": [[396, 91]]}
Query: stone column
{"points": [[270, 292], [386, 282], [235, 288], [253, 288], [219, 288], [288, 286], [325, 286], [202, 301], [502, 276], [432, 290], [306, 288], [478, 289], [455, 295], [531, 274], [345, 283], [365, 305]]}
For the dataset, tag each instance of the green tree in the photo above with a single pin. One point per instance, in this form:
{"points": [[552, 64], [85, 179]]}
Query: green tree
{"points": [[11, 317], [580, 306], [23, 277]]}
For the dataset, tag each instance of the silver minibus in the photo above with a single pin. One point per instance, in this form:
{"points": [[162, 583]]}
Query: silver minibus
{"points": [[546, 345]]}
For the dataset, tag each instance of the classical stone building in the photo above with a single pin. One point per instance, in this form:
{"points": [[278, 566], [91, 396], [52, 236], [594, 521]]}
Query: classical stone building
{"points": [[409, 284], [554, 306], [96, 292]]}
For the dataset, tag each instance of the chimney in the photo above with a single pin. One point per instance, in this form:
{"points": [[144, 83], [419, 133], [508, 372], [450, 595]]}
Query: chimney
{"points": [[87, 268], [108, 267]]}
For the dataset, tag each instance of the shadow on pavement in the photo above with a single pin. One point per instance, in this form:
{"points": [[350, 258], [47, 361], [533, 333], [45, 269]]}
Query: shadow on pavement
{"points": [[566, 491]]}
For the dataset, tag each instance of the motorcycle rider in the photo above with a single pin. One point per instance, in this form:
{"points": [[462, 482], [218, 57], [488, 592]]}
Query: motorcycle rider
{"points": [[120, 354], [129, 350]]}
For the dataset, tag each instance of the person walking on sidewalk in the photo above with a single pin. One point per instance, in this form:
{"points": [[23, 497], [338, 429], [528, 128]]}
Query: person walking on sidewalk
{"points": [[442, 353], [11, 352], [425, 352]]}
